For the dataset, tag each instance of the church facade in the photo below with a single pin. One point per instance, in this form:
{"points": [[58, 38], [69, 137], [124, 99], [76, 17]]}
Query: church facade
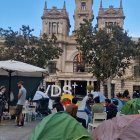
{"points": [[69, 69]]}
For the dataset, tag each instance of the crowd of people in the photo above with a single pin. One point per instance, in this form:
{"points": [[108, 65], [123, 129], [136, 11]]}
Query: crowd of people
{"points": [[21, 101], [126, 96], [93, 105]]}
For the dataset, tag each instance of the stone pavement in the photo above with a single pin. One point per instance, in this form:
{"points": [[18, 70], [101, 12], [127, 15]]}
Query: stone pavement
{"points": [[8, 130]]}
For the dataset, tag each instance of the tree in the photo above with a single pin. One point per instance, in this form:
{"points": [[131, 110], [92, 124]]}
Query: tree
{"points": [[137, 59], [25, 47], [108, 54]]}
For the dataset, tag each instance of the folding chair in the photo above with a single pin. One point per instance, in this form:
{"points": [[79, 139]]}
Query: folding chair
{"points": [[98, 118]]}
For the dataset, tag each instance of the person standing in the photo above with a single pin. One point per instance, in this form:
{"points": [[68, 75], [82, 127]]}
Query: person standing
{"points": [[88, 109], [21, 101], [2, 100]]}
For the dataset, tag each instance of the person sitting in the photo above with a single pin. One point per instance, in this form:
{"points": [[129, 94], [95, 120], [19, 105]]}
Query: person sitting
{"points": [[58, 105], [136, 95], [97, 107], [111, 109], [72, 110]]}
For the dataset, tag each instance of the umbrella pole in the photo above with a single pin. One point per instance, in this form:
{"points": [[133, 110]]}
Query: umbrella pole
{"points": [[9, 90]]}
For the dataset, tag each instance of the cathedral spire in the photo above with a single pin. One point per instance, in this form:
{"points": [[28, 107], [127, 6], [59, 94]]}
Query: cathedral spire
{"points": [[64, 6], [121, 6], [101, 4], [45, 6], [45, 9]]}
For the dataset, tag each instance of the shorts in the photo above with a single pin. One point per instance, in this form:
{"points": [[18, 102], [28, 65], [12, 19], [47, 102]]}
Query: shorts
{"points": [[1, 109], [18, 110]]}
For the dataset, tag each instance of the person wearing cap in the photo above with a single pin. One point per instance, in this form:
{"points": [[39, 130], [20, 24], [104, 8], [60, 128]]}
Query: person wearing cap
{"points": [[21, 101], [2, 100]]}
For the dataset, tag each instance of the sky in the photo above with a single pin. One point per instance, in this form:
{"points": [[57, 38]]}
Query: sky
{"points": [[15, 13]]}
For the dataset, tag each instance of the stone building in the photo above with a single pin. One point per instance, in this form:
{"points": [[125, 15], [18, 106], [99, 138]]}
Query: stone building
{"points": [[110, 16], [70, 69]]}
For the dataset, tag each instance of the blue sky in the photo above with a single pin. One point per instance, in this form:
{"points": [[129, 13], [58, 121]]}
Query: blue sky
{"points": [[14, 13]]}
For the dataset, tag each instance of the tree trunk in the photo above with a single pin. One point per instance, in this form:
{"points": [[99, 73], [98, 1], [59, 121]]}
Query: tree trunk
{"points": [[104, 88], [98, 85], [109, 87]]}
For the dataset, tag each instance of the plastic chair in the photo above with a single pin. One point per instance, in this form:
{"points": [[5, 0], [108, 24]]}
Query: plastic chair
{"points": [[32, 112], [26, 114], [98, 118], [139, 111]]}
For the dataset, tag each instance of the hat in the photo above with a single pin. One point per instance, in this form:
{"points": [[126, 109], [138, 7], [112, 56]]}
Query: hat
{"points": [[2, 87], [21, 82]]}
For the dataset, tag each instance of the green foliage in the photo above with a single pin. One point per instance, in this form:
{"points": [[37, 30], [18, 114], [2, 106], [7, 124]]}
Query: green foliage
{"points": [[107, 53], [25, 47], [90, 88], [126, 93]]}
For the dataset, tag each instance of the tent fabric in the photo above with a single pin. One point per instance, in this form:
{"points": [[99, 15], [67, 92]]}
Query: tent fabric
{"points": [[119, 128], [39, 95], [60, 126], [131, 107], [20, 68], [120, 104], [100, 94], [82, 103]]}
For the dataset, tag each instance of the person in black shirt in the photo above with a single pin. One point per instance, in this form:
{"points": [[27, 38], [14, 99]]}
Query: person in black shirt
{"points": [[58, 105], [111, 109]]}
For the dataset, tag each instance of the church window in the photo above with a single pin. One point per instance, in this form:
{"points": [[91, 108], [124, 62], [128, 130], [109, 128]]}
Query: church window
{"points": [[137, 71], [78, 63], [106, 24], [110, 23], [83, 6], [54, 27], [57, 27], [49, 27], [52, 67]]}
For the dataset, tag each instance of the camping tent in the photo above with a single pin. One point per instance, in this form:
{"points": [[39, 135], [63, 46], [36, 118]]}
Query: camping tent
{"points": [[39, 95], [60, 126], [131, 107], [119, 128], [100, 94], [118, 102], [11, 70]]}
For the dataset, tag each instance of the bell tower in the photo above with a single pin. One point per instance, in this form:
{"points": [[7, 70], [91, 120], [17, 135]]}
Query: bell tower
{"points": [[110, 16], [55, 21], [82, 11]]}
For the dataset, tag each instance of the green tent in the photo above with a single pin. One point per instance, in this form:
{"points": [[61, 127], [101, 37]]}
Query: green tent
{"points": [[59, 126], [131, 107]]}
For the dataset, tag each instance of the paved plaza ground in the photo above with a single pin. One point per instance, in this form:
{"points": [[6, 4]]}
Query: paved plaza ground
{"points": [[8, 130]]}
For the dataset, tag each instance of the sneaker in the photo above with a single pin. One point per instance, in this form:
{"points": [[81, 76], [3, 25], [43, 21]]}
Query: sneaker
{"points": [[16, 124], [20, 125]]}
